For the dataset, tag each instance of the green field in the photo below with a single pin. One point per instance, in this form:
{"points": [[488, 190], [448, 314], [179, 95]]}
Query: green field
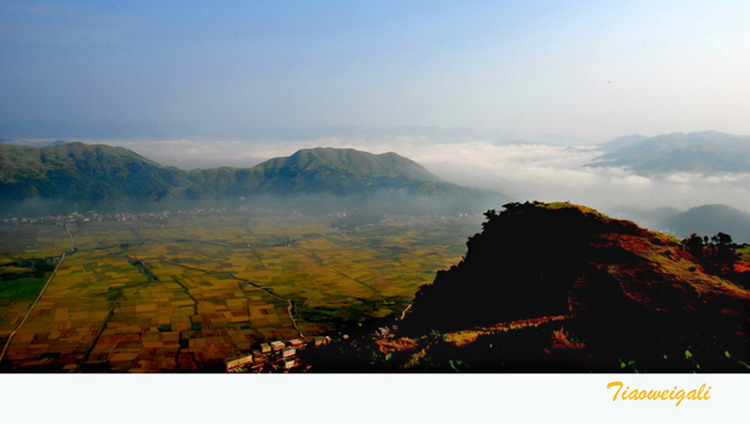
{"points": [[744, 252], [188, 292]]}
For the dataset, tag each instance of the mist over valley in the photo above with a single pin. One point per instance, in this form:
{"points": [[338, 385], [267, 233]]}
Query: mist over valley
{"points": [[521, 170]]}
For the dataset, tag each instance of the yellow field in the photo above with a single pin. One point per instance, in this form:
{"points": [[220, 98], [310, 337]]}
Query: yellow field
{"points": [[184, 295]]}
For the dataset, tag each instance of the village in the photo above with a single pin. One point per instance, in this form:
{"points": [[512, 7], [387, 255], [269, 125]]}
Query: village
{"points": [[92, 216], [161, 216], [274, 356], [284, 356]]}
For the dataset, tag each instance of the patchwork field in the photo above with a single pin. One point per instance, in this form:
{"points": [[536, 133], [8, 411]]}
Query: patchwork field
{"points": [[185, 293]]}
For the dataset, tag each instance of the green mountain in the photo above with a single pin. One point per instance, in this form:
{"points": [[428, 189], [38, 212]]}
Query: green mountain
{"points": [[320, 163], [710, 220], [704, 152], [337, 171], [81, 176]]}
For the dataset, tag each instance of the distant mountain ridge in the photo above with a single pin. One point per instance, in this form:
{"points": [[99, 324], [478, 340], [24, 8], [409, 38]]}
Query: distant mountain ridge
{"points": [[707, 220], [78, 175], [624, 141], [701, 152]]}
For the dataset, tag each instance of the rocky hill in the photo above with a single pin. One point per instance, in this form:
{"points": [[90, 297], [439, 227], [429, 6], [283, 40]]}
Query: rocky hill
{"points": [[560, 287]]}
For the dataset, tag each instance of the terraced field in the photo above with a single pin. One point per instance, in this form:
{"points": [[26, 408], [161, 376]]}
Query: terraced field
{"points": [[188, 292]]}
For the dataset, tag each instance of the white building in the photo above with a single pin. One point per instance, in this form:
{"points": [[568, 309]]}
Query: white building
{"points": [[277, 345], [238, 361]]}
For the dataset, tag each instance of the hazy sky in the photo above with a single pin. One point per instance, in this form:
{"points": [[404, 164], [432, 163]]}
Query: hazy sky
{"points": [[595, 70]]}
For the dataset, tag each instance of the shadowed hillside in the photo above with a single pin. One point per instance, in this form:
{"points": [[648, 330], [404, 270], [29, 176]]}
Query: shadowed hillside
{"points": [[560, 287]]}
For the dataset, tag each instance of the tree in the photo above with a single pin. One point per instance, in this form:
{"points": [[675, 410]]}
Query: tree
{"points": [[717, 254], [722, 255], [695, 245]]}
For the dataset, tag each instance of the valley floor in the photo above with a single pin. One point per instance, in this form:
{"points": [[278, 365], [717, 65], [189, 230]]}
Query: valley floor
{"points": [[187, 292]]}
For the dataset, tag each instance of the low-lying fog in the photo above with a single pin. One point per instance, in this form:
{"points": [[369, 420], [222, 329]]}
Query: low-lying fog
{"points": [[524, 171]]}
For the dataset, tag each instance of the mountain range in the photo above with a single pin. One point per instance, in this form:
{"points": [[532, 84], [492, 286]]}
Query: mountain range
{"points": [[75, 176], [705, 152], [623, 141], [705, 220]]}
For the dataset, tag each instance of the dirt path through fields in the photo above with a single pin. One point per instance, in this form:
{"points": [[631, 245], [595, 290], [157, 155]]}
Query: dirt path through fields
{"points": [[41, 293]]}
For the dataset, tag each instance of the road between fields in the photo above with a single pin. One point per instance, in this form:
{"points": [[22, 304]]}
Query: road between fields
{"points": [[41, 292]]}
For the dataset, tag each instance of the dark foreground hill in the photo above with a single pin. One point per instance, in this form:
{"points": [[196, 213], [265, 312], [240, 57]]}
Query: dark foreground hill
{"points": [[77, 176], [559, 287]]}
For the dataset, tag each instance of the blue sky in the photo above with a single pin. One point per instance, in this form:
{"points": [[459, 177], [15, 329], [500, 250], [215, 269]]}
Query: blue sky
{"points": [[595, 71]]}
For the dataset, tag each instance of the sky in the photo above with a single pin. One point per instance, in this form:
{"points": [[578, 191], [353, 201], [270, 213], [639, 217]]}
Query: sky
{"points": [[593, 70]]}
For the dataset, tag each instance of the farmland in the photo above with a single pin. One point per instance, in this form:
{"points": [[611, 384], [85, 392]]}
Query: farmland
{"points": [[184, 293]]}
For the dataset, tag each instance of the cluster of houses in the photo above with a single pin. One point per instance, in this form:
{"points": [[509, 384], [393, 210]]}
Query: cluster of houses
{"points": [[91, 216], [274, 355]]}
